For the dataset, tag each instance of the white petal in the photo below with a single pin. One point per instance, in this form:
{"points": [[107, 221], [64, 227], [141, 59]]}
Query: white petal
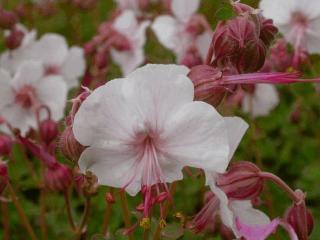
{"points": [[184, 9], [29, 73], [139, 39], [247, 214], [126, 23], [197, 136], [128, 60], [158, 91], [166, 28], [6, 93], [105, 116], [311, 8], [203, 44], [51, 49], [74, 66], [114, 166], [236, 129], [264, 99], [52, 92], [278, 10]]}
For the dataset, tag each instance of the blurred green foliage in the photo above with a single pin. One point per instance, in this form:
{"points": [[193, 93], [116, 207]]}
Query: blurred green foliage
{"points": [[290, 150]]}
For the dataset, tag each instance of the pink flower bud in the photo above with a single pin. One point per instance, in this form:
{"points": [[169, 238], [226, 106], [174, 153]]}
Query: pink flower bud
{"points": [[300, 219], [58, 177], [48, 130], [5, 145], [268, 31], [4, 177], [241, 181], [191, 58], [69, 146], [14, 39], [203, 76], [7, 19]]}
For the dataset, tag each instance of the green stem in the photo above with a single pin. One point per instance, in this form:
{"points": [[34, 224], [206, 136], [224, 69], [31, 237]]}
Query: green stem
{"points": [[21, 213], [126, 214]]}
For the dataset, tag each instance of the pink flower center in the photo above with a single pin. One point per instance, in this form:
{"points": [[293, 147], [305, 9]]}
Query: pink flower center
{"points": [[52, 70], [26, 97], [299, 19]]}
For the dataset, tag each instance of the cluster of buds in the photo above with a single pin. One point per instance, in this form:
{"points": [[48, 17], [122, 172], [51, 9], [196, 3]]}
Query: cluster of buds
{"points": [[241, 44], [68, 144]]}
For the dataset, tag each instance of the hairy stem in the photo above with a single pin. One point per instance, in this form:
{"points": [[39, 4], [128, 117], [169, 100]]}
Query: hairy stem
{"points": [[69, 210], [126, 214]]}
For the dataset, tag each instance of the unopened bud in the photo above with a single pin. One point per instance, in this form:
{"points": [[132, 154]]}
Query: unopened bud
{"points": [[191, 58], [7, 19], [4, 178], [85, 4], [69, 146], [300, 219], [58, 177], [241, 181], [48, 130], [14, 39], [268, 31], [5, 145], [87, 183], [203, 78]]}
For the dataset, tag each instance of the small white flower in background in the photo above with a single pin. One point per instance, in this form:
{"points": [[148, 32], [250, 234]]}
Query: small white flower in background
{"points": [[173, 31], [262, 101], [127, 25], [22, 95], [58, 59], [53, 52], [143, 129], [297, 20]]}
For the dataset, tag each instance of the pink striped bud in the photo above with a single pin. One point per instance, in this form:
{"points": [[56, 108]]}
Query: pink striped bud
{"points": [[14, 39], [300, 218], [241, 181], [7, 19], [110, 198], [48, 130], [58, 177]]}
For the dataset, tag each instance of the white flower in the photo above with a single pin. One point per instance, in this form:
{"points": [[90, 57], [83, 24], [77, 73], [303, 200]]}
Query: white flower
{"points": [[53, 52], [298, 20], [22, 95], [263, 100], [135, 32], [143, 129], [172, 31]]}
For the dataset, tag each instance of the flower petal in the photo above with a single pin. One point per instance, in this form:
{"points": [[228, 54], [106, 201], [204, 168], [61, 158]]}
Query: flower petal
{"points": [[52, 92], [51, 49], [29, 73], [126, 23], [236, 129], [264, 99], [278, 10], [184, 9], [74, 66], [197, 136], [6, 94]]}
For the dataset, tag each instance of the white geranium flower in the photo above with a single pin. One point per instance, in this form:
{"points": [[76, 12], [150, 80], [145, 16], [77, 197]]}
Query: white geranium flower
{"points": [[135, 32], [58, 59], [143, 129], [22, 95], [172, 31], [262, 101], [298, 20]]}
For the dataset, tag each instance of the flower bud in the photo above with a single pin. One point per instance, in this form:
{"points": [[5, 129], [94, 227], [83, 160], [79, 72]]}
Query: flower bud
{"points": [[14, 39], [191, 58], [5, 145], [268, 31], [85, 4], [7, 19], [69, 146], [4, 177], [58, 177], [110, 198], [48, 130], [87, 184], [203, 77], [300, 219], [241, 181]]}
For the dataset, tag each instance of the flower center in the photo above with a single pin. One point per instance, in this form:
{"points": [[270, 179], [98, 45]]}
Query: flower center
{"points": [[299, 19], [52, 70], [26, 97]]}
